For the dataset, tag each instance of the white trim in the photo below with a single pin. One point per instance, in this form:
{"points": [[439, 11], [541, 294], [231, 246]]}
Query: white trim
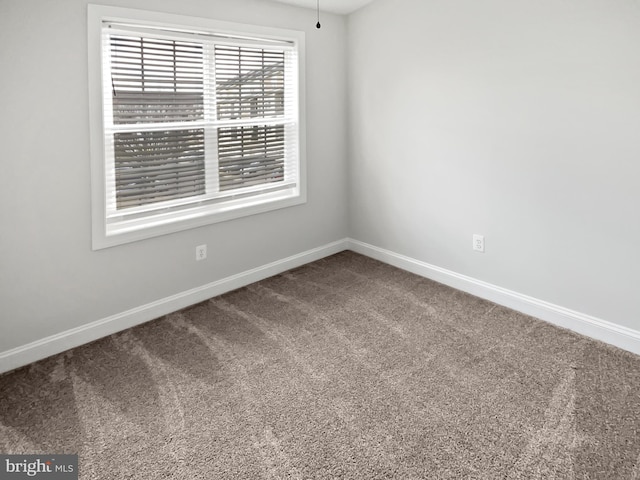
{"points": [[54, 344], [622, 337]]}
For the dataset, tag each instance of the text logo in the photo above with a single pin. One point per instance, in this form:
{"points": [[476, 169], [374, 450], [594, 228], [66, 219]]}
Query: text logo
{"points": [[49, 467]]}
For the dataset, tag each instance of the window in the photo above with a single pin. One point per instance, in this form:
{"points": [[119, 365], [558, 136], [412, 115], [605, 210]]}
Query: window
{"points": [[193, 122]]}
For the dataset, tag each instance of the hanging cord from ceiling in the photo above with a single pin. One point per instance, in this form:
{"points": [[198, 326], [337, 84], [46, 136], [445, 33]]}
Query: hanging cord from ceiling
{"points": [[318, 10]]}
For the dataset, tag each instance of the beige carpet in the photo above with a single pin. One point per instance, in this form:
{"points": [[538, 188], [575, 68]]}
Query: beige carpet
{"points": [[344, 368]]}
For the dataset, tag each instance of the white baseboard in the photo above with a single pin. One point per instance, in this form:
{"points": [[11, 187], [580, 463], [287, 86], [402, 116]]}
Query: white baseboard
{"points": [[32, 352], [622, 337]]}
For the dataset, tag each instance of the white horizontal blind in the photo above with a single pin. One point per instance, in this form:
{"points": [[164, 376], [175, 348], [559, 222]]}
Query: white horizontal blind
{"points": [[250, 82], [156, 166], [250, 85], [250, 155], [156, 82], [191, 119]]}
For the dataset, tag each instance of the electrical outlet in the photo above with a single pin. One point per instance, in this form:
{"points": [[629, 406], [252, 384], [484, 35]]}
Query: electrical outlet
{"points": [[478, 243], [201, 252]]}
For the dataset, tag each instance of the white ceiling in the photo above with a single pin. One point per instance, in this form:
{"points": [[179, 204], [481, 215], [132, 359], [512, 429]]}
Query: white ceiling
{"points": [[335, 6]]}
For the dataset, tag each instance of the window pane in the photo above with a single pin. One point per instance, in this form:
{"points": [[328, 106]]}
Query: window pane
{"points": [[155, 80], [250, 82], [152, 167], [250, 155]]}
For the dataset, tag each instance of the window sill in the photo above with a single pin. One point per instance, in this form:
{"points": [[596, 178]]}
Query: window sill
{"points": [[122, 232]]}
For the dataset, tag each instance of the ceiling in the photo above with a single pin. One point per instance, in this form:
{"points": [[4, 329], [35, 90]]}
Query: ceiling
{"points": [[335, 6]]}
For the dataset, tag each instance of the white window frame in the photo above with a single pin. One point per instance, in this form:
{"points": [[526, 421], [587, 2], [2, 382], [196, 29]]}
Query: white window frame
{"points": [[107, 232]]}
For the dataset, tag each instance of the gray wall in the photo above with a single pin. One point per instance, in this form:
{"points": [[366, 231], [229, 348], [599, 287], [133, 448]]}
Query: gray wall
{"points": [[519, 120], [50, 279]]}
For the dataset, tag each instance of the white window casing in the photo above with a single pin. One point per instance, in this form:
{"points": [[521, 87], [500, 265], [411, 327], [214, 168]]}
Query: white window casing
{"points": [[192, 121]]}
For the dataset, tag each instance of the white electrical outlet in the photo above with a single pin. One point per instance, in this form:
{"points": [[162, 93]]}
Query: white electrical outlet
{"points": [[478, 243], [201, 252]]}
